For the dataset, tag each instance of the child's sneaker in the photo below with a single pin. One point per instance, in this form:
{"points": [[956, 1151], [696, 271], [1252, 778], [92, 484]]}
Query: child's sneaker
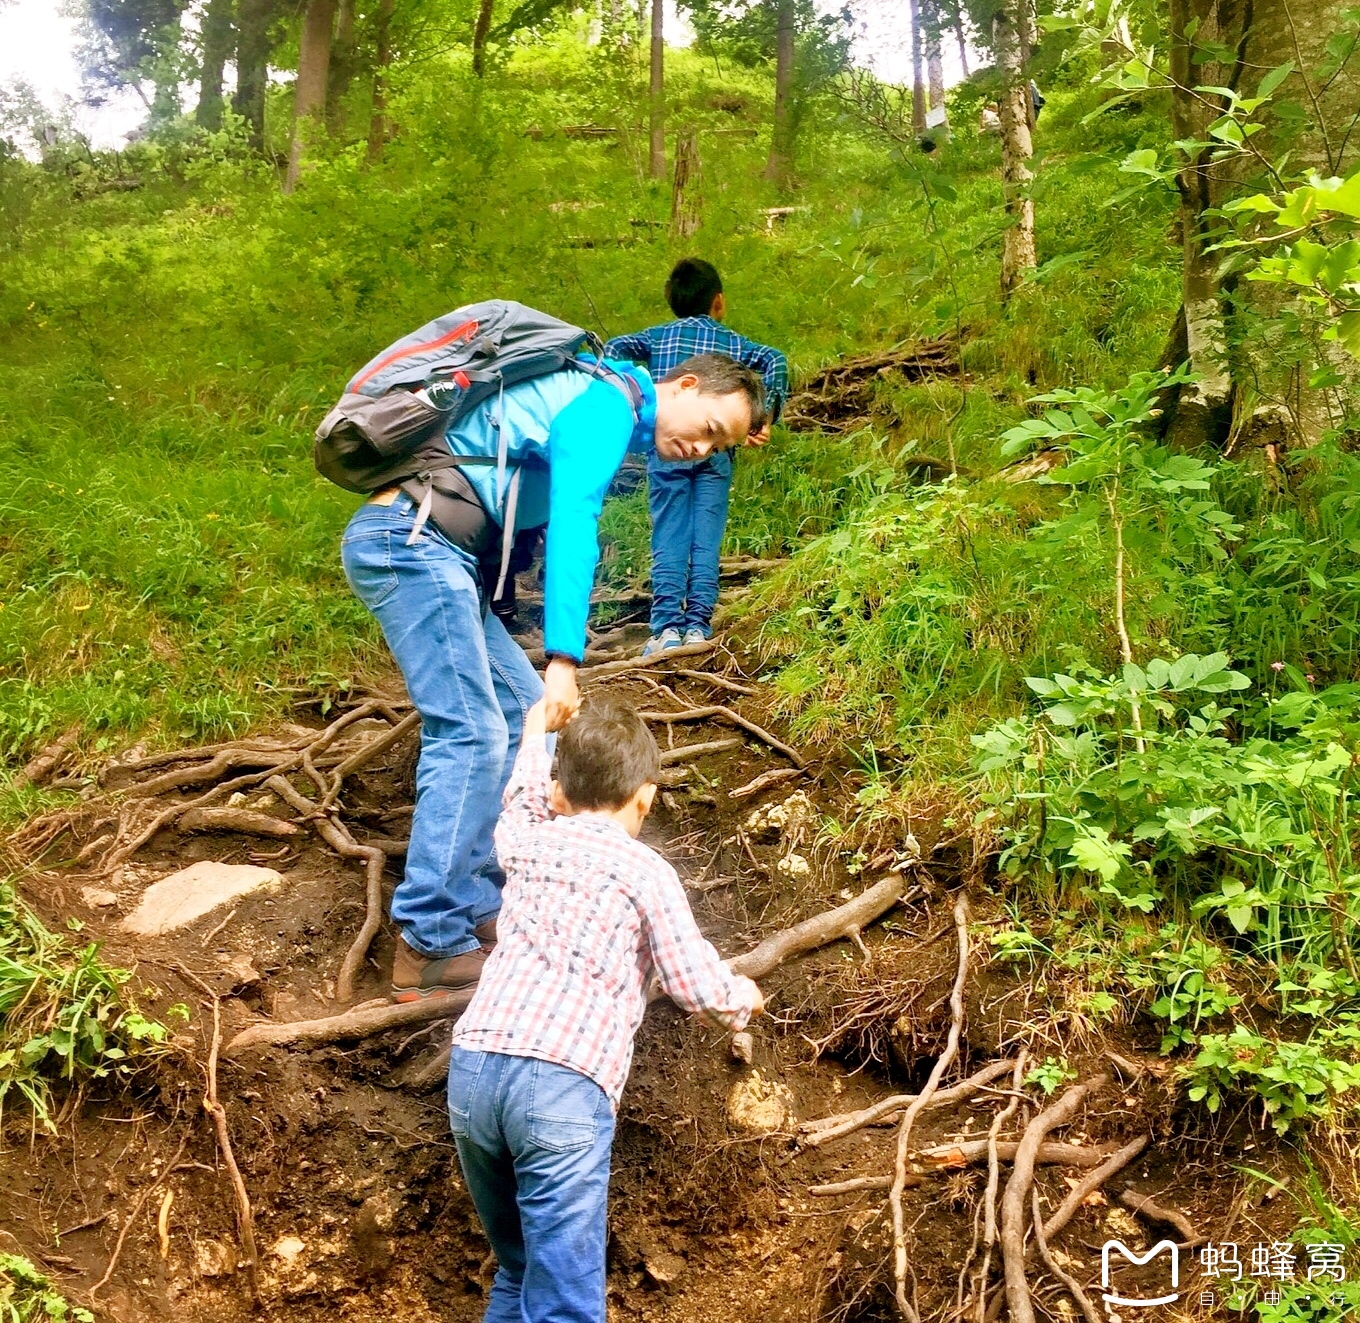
{"points": [[694, 635], [668, 638]]}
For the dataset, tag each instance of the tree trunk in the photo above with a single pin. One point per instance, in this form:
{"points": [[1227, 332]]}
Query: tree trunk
{"points": [[779, 165], [1202, 412], [309, 97], [934, 53], [1017, 241], [377, 118], [217, 43], [479, 36], [656, 166], [961, 38], [918, 85], [341, 73], [685, 204], [252, 65]]}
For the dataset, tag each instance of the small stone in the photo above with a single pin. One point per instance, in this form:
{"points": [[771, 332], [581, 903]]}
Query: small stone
{"points": [[758, 1105], [180, 899], [97, 898], [663, 1267], [743, 1047], [289, 1248], [213, 1259]]}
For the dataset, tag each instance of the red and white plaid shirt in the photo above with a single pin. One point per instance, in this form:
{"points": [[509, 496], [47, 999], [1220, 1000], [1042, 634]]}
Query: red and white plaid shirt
{"points": [[588, 916]]}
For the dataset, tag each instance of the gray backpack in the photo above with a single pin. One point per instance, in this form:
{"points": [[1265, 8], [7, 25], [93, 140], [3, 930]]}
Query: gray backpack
{"points": [[389, 425]]}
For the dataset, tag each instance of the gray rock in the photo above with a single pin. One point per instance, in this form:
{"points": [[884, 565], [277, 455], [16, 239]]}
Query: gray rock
{"points": [[178, 900]]}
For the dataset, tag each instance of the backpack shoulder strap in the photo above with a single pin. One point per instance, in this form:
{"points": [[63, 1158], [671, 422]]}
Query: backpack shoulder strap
{"points": [[623, 381]]}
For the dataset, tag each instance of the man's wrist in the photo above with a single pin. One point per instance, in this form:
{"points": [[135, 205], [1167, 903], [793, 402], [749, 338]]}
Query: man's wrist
{"points": [[565, 657]]}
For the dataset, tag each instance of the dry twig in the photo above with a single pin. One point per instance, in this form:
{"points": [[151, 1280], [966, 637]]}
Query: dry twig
{"points": [[727, 714], [132, 1217]]}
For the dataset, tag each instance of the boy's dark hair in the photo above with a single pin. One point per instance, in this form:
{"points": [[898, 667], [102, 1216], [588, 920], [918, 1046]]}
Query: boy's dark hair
{"points": [[720, 375], [692, 286], [605, 755]]}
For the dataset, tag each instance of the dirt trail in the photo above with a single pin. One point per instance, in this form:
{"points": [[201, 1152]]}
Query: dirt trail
{"points": [[358, 1210]]}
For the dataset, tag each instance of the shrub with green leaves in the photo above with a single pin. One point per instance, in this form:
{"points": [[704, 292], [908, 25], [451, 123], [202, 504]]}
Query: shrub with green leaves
{"points": [[28, 1296], [64, 1014]]}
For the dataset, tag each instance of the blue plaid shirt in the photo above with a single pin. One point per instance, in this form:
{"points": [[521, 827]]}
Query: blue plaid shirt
{"points": [[662, 348]]}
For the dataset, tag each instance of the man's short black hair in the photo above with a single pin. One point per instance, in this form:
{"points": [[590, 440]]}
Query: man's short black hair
{"points": [[605, 755], [720, 375], [692, 286]]}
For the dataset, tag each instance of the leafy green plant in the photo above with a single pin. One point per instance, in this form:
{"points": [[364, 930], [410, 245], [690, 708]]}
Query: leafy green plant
{"points": [[63, 1012], [1049, 1075], [28, 1296]]}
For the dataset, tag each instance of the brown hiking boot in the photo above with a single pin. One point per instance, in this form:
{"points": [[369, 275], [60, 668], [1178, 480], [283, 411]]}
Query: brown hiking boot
{"points": [[485, 932], [416, 977]]}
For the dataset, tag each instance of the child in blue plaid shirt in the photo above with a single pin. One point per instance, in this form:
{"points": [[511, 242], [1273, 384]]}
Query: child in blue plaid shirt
{"points": [[688, 498]]}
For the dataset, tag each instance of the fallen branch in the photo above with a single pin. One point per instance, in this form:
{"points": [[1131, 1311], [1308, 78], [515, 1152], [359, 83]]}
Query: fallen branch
{"points": [[822, 928], [823, 1131], [918, 1105], [1088, 1310], [362, 1021], [1148, 1208], [643, 663], [239, 820], [727, 714], [1116, 1162], [337, 836], [764, 781], [683, 752], [1018, 1299]]}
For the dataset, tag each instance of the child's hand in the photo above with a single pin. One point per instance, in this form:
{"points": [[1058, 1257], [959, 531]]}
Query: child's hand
{"points": [[760, 436], [535, 723]]}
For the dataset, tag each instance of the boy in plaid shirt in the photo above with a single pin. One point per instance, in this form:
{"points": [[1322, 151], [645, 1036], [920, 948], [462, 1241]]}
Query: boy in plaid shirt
{"points": [[687, 499], [590, 915]]}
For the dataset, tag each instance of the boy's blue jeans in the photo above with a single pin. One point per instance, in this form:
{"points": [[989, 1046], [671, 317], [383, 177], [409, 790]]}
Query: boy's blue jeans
{"points": [[534, 1141], [688, 504], [472, 685]]}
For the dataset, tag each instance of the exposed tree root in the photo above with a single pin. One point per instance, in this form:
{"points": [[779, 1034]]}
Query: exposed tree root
{"points": [[684, 752], [989, 1229], [813, 1134], [723, 713], [244, 821], [1152, 1211], [1013, 1209], [48, 759], [364, 755], [363, 1021], [1088, 1310], [764, 781], [132, 1217], [917, 1105], [644, 663], [337, 836], [1116, 1162]]}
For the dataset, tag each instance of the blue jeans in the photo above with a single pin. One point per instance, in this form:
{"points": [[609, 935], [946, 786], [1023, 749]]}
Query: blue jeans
{"points": [[534, 1140], [688, 504], [472, 685]]}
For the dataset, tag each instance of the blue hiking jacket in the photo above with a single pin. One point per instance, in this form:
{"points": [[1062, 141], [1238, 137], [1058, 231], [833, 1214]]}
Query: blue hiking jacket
{"points": [[567, 432]]}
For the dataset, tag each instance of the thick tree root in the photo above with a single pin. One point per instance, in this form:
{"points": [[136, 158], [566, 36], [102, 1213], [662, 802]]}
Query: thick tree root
{"points": [[1013, 1204], [813, 1134], [717, 710], [363, 1021]]}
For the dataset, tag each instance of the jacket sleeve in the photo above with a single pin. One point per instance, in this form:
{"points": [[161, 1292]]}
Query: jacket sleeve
{"points": [[691, 972], [524, 804], [631, 348], [586, 445], [774, 370]]}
